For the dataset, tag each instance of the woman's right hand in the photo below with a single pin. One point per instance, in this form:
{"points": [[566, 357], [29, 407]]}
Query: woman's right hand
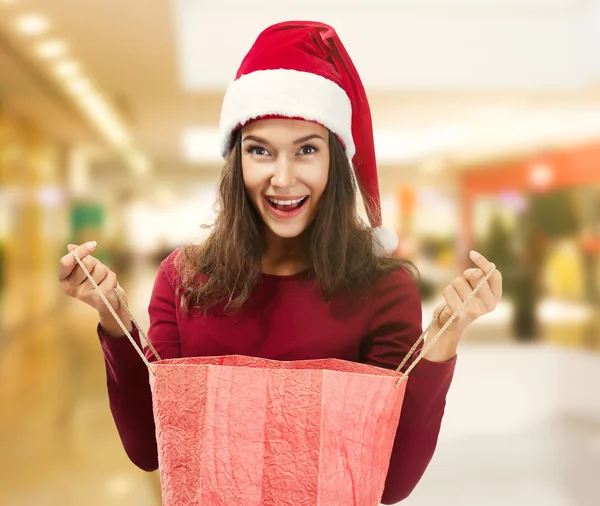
{"points": [[75, 284]]}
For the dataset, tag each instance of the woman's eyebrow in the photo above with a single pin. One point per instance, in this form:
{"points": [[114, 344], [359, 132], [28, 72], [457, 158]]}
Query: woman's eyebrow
{"points": [[255, 139], [260, 140], [308, 138]]}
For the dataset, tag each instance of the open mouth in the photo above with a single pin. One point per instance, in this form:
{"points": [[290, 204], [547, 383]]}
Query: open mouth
{"points": [[286, 205]]}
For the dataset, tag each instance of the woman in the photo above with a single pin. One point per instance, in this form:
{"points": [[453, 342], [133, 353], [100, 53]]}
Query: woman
{"points": [[289, 271]]}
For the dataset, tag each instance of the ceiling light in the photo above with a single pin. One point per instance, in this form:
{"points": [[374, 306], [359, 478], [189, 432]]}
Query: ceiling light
{"points": [[66, 69], [78, 85], [32, 25], [51, 49], [97, 109]]}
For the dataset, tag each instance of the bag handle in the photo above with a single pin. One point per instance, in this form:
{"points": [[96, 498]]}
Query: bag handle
{"points": [[428, 345], [121, 324], [424, 350]]}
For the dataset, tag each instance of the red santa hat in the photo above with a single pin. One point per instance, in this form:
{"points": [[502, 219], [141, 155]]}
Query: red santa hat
{"points": [[300, 69]]}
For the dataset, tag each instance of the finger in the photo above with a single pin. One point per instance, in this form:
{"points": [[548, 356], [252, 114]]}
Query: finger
{"points": [[472, 273], [109, 283], [480, 261], [465, 287], [475, 276], [107, 287], [487, 298], [453, 300], [78, 276], [85, 249], [68, 262], [85, 290], [495, 282], [462, 287], [99, 275], [73, 285]]}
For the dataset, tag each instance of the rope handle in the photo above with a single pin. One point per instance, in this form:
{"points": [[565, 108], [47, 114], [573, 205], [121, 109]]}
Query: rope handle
{"points": [[114, 313], [428, 346]]}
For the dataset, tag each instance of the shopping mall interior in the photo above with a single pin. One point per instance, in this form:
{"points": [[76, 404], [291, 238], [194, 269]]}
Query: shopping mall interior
{"points": [[487, 130]]}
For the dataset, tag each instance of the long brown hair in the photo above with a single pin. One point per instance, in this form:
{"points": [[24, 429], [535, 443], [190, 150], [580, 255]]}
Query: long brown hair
{"points": [[226, 267]]}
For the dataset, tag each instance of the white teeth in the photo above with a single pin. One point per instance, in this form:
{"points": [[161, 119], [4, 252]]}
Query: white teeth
{"points": [[286, 202]]}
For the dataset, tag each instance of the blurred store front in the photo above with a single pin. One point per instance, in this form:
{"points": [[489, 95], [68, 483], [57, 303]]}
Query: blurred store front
{"points": [[539, 218]]}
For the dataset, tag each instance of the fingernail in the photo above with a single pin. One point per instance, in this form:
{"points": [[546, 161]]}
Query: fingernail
{"points": [[91, 245], [474, 254]]}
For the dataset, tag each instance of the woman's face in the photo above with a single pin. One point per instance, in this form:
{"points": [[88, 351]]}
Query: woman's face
{"points": [[285, 165]]}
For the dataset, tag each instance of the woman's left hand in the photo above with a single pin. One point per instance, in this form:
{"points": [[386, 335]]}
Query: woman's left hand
{"points": [[485, 301]]}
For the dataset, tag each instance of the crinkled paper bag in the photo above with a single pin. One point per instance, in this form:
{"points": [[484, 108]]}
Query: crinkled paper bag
{"points": [[246, 431]]}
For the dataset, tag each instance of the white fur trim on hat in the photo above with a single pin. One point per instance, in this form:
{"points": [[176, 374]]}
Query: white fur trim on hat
{"points": [[289, 93], [387, 239]]}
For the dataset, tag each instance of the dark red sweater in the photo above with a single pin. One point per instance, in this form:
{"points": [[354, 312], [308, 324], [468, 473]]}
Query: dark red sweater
{"points": [[287, 319]]}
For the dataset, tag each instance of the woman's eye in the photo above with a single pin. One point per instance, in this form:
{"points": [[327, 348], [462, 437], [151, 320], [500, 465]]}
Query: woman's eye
{"points": [[257, 150], [307, 150]]}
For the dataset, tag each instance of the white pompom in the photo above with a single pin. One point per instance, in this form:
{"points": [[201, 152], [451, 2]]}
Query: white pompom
{"points": [[386, 239]]}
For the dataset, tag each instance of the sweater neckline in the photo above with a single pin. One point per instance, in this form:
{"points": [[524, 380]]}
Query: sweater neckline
{"points": [[284, 277]]}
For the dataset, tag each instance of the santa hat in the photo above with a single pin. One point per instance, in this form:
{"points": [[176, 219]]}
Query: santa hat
{"points": [[300, 69]]}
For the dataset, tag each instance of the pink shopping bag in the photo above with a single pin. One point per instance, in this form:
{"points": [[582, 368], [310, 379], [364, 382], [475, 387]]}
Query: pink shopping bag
{"points": [[246, 431]]}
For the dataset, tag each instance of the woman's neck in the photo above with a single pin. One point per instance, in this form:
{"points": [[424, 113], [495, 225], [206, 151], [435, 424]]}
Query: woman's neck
{"points": [[283, 256]]}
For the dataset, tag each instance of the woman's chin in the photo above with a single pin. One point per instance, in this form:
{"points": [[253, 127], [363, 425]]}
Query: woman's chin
{"points": [[286, 231], [289, 230]]}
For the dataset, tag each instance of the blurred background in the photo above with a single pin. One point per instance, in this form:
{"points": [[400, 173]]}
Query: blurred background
{"points": [[487, 129]]}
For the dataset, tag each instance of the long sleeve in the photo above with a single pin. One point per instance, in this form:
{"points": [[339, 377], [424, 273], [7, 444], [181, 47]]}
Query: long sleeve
{"points": [[395, 325], [128, 378]]}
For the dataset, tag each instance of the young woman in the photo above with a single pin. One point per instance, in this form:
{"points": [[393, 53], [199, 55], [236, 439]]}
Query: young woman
{"points": [[289, 271]]}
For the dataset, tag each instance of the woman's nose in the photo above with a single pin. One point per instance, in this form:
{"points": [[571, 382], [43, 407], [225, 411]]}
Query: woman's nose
{"points": [[283, 173]]}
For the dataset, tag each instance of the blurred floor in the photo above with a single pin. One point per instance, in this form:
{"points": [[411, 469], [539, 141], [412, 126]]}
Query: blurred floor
{"points": [[554, 463], [59, 445]]}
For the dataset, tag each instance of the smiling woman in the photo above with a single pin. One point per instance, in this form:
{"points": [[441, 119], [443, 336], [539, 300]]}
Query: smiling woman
{"points": [[288, 273]]}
